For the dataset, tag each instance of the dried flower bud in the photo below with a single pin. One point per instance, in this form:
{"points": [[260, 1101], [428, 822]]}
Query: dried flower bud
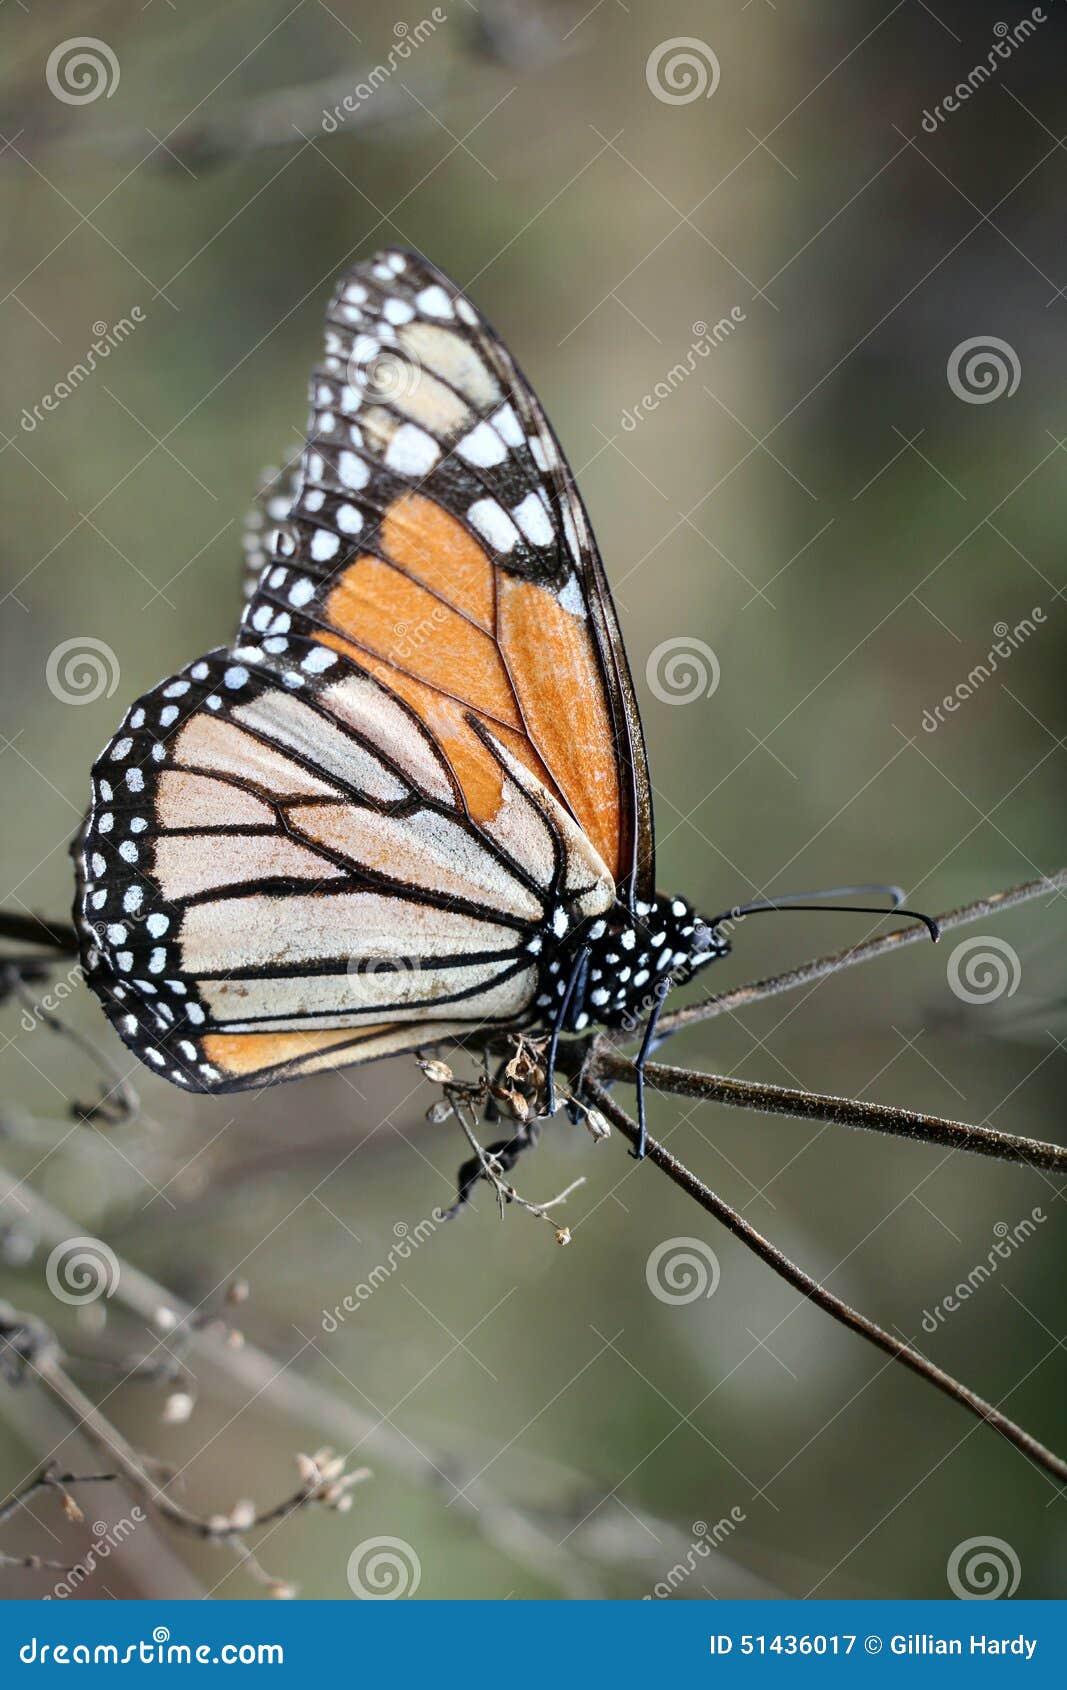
{"points": [[519, 1105], [165, 1319], [439, 1112], [243, 1514], [308, 1470], [437, 1071], [278, 1590], [71, 1509], [563, 1235], [239, 1291], [598, 1124], [177, 1408]]}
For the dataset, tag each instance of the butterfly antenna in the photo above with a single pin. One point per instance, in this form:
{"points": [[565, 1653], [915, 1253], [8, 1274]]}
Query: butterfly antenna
{"points": [[815, 901]]}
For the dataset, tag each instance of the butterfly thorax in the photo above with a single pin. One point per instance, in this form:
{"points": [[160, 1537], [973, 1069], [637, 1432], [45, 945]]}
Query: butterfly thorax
{"points": [[631, 958]]}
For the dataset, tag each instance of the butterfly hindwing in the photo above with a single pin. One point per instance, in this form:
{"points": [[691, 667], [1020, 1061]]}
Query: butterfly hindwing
{"points": [[277, 875]]}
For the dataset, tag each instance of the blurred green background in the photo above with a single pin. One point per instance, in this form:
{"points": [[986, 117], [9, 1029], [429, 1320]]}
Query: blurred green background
{"points": [[817, 505]]}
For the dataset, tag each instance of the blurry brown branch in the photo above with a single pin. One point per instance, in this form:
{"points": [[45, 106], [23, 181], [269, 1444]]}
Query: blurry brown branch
{"points": [[35, 1357], [810, 1288], [37, 930], [416, 84], [533, 1537]]}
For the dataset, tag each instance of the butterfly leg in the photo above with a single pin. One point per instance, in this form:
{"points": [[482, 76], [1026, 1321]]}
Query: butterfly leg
{"points": [[647, 1046], [558, 1025]]}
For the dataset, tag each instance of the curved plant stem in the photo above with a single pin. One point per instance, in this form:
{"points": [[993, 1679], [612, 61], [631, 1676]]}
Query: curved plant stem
{"points": [[810, 1288], [843, 1111], [809, 972]]}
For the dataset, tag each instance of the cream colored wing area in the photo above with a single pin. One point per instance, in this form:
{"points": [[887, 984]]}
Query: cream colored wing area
{"points": [[402, 996], [586, 876], [186, 865], [422, 849], [226, 935], [368, 709]]}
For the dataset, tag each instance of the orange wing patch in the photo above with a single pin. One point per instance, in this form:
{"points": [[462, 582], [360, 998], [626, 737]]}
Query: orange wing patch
{"points": [[475, 639], [422, 537], [392, 617], [553, 666], [243, 1053]]}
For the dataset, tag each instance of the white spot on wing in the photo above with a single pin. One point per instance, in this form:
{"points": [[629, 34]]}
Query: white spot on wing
{"points": [[494, 524]]}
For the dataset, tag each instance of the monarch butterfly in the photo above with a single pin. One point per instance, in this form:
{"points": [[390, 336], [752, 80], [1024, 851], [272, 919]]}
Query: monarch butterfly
{"points": [[412, 799]]}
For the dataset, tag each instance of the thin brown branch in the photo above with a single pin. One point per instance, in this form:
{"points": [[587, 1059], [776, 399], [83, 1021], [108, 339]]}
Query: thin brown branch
{"points": [[725, 1002], [810, 1288], [842, 1111], [322, 1476], [48, 1479]]}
